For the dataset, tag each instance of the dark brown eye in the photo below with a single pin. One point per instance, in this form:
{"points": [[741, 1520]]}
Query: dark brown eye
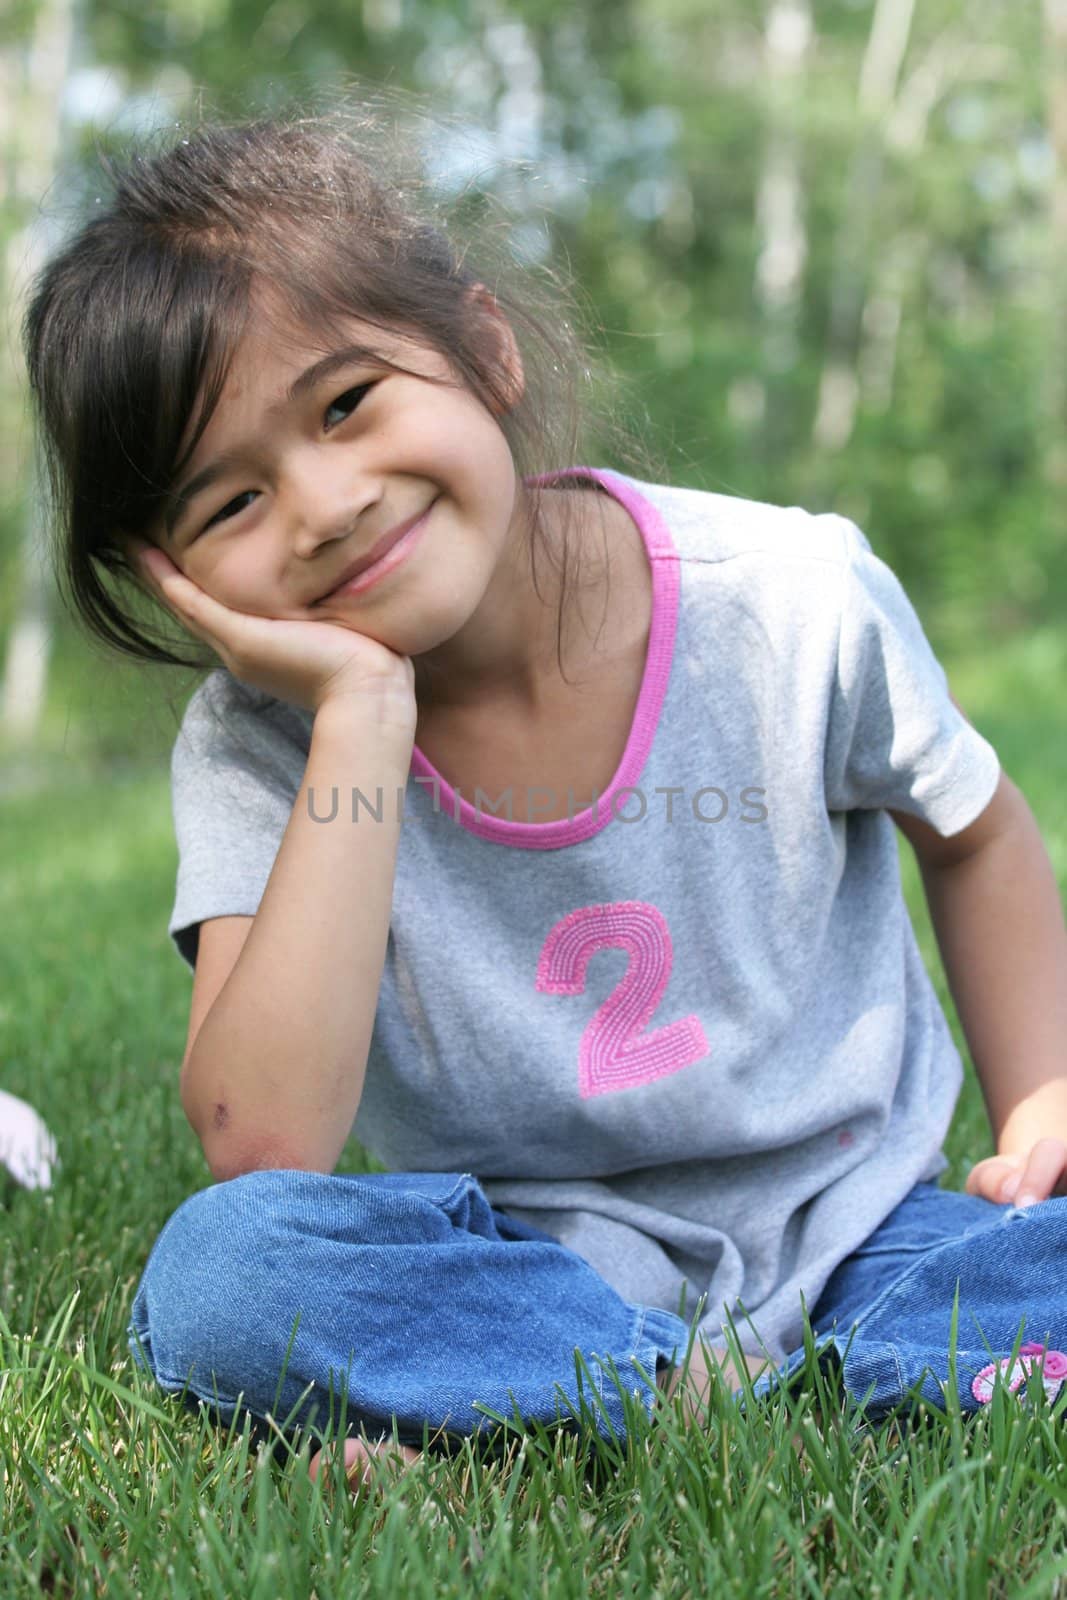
{"points": [[348, 401], [231, 509]]}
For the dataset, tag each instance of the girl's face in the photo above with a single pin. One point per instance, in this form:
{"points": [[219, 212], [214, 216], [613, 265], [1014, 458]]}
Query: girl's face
{"points": [[315, 453]]}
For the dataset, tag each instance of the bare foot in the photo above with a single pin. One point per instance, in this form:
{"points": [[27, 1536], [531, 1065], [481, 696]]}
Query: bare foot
{"points": [[707, 1365], [362, 1461]]}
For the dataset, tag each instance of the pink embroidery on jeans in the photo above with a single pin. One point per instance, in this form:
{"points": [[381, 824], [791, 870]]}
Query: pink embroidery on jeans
{"points": [[614, 1052], [1015, 1373]]}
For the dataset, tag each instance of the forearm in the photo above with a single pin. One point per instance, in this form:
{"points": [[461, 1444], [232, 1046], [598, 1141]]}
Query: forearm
{"points": [[1000, 927], [276, 1072]]}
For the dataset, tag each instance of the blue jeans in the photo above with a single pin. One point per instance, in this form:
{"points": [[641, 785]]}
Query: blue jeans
{"points": [[276, 1292], [885, 1316], [407, 1290]]}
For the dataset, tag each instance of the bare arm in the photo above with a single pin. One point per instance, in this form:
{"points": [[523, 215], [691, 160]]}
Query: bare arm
{"points": [[999, 923], [275, 1074], [995, 905]]}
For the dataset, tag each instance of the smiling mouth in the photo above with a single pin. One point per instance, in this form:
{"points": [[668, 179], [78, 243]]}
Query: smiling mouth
{"points": [[377, 554]]}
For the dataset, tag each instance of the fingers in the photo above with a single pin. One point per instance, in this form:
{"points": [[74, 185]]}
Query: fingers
{"points": [[994, 1178], [1022, 1180], [155, 567], [1042, 1172], [152, 562], [195, 610], [164, 576]]}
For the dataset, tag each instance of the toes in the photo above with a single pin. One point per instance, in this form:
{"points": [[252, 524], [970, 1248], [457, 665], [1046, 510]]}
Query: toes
{"points": [[361, 1460]]}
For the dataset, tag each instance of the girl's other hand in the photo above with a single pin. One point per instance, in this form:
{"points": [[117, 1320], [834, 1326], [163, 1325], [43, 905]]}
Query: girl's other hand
{"points": [[1023, 1179], [304, 663]]}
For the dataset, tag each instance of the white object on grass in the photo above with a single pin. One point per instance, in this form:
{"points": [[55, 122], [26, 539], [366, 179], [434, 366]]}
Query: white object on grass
{"points": [[27, 1149]]}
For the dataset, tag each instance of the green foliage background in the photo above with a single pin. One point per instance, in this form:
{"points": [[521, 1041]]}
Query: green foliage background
{"points": [[649, 125]]}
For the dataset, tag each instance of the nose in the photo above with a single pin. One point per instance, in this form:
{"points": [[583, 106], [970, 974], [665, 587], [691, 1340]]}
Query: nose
{"points": [[324, 500]]}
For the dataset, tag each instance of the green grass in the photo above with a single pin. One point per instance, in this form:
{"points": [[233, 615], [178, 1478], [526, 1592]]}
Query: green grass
{"points": [[111, 1488]]}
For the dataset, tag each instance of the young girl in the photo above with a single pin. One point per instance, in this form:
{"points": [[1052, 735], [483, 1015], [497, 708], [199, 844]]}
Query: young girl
{"points": [[593, 936]]}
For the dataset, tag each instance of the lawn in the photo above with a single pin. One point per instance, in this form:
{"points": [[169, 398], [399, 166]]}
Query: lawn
{"points": [[112, 1489]]}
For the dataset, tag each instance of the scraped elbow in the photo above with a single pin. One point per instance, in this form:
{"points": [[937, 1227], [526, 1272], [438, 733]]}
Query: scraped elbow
{"points": [[235, 1143], [229, 1156]]}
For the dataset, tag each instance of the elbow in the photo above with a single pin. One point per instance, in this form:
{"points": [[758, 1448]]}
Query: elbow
{"points": [[233, 1149], [230, 1157], [210, 1126], [227, 1161], [227, 1156]]}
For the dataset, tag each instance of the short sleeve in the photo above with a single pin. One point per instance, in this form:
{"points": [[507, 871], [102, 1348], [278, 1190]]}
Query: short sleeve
{"points": [[895, 740], [236, 770]]}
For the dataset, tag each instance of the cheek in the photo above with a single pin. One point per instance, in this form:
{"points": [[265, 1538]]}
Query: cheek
{"points": [[233, 576], [493, 480], [470, 441]]}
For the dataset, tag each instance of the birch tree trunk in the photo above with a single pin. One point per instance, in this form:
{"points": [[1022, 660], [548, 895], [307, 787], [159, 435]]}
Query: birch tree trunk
{"points": [[780, 225], [898, 266], [779, 202], [839, 386], [33, 144], [1055, 379]]}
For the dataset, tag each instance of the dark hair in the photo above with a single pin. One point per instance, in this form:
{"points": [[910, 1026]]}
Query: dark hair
{"points": [[133, 324]]}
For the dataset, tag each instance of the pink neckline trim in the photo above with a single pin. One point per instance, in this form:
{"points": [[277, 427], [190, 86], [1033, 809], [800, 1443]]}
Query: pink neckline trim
{"points": [[663, 560]]}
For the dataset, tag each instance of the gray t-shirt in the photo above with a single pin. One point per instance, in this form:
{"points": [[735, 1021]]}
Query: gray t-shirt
{"points": [[687, 1032]]}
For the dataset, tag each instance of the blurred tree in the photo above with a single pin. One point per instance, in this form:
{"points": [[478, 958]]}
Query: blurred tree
{"points": [[35, 77], [782, 237], [879, 74], [1055, 374]]}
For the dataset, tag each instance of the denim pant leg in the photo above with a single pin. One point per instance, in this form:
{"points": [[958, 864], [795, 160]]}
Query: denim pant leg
{"points": [[270, 1291], [888, 1307]]}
